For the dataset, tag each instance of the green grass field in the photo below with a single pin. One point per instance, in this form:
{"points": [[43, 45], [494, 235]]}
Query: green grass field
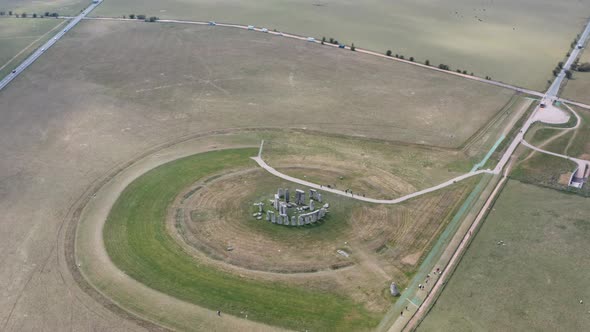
{"points": [[577, 88], [500, 38], [532, 283], [62, 7], [20, 37], [138, 244]]}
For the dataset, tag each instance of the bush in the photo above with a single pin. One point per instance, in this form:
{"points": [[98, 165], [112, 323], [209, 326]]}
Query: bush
{"points": [[140, 17], [427, 62], [412, 58], [132, 16], [388, 53], [153, 19], [584, 67]]}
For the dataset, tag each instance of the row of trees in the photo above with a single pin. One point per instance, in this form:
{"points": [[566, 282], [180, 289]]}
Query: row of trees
{"points": [[143, 17], [427, 63], [25, 15]]}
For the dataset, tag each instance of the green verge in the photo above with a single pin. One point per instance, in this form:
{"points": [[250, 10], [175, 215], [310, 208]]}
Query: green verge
{"points": [[137, 242]]}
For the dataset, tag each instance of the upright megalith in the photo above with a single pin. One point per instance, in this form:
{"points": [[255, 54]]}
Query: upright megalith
{"points": [[287, 198], [393, 289]]}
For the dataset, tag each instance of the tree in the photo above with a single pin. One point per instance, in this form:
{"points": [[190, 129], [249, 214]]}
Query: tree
{"points": [[132, 16], [443, 66], [388, 53], [465, 72], [152, 19], [459, 71], [427, 62], [10, 12], [397, 55], [46, 14], [331, 40], [401, 57], [555, 72], [34, 15], [568, 74], [352, 47], [412, 58], [323, 40], [2, 13], [140, 17], [23, 15], [471, 74], [560, 64]]}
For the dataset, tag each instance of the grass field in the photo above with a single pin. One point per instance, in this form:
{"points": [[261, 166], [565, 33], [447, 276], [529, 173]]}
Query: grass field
{"points": [[211, 77], [20, 37], [384, 241], [532, 283], [136, 241], [500, 39], [550, 171], [62, 7], [577, 88]]}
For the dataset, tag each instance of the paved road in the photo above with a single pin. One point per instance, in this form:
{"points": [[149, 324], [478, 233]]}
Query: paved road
{"points": [[368, 199], [28, 61], [580, 162]]}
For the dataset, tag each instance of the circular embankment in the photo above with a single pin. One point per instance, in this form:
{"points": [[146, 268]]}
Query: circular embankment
{"points": [[214, 217], [135, 262]]}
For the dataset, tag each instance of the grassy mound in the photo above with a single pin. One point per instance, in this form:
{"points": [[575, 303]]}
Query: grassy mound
{"points": [[137, 242]]}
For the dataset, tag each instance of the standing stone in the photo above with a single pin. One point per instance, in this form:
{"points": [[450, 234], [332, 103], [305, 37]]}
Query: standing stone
{"points": [[287, 195], [319, 199], [312, 193], [322, 213], [300, 220], [314, 217], [300, 197], [293, 221], [279, 219], [276, 202], [283, 209], [280, 192], [311, 205], [394, 290], [307, 219], [260, 207], [268, 215], [273, 218]]}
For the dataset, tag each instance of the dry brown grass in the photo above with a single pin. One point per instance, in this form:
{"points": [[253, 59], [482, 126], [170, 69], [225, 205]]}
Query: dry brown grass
{"points": [[385, 242]]}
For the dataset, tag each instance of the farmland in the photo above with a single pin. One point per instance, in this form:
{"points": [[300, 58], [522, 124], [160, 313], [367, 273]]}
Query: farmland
{"points": [[62, 7], [120, 119], [498, 39], [534, 279], [20, 37], [229, 78]]}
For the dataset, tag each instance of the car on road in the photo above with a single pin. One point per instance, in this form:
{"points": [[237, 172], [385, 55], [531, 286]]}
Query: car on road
{"points": [[14, 71], [43, 50]]}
